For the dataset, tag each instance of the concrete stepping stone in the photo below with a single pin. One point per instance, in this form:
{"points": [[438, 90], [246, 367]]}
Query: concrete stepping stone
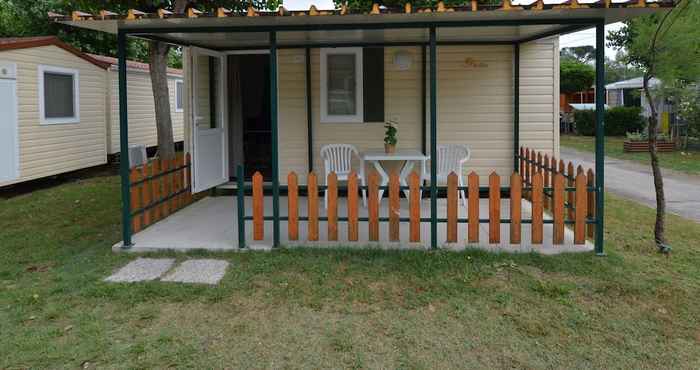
{"points": [[199, 271], [142, 269]]}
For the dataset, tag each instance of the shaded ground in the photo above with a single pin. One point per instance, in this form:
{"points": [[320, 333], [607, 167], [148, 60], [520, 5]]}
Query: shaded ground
{"points": [[341, 308], [634, 181]]}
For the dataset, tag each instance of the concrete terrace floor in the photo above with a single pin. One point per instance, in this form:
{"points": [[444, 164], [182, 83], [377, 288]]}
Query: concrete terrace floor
{"points": [[211, 224]]}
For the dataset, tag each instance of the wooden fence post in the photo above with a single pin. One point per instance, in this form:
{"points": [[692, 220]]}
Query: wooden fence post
{"points": [[414, 207], [146, 193], [494, 208], [591, 202], [516, 192], [293, 206], [537, 208], [521, 169], [473, 208], [394, 207], [332, 211], [373, 206], [452, 207], [156, 186], [312, 198], [581, 211], [136, 204], [167, 187], [353, 203], [558, 196]]}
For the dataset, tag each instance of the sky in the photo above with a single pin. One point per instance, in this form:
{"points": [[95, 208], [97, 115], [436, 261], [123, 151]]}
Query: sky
{"points": [[585, 37]]}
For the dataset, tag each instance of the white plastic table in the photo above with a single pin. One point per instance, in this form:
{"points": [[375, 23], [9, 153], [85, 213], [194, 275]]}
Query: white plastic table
{"points": [[409, 157]]}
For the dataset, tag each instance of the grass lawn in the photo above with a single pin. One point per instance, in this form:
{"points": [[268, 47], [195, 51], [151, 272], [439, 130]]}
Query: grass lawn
{"points": [[341, 308], [688, 162]]}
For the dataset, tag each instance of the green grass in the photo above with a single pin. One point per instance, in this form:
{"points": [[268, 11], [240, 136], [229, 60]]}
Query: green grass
{"points": [[341, 308], [684, 161]]}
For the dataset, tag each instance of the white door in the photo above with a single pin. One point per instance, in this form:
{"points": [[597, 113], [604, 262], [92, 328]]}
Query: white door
{"points": [[9, 156], [209, 120]]}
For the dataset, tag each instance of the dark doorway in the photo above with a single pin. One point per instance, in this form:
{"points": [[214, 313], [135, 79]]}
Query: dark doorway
{"points": [[250, 127]]}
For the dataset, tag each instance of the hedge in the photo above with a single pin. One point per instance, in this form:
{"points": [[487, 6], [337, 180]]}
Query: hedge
{"points": [[618, 121]]}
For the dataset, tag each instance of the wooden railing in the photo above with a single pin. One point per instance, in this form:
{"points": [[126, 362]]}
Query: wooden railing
{"points": [[532, 162], [550, 194], [158, 189]]}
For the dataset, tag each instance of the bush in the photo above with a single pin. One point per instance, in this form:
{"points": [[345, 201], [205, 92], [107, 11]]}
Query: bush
{"points": [[618, 121], [621, 120]]}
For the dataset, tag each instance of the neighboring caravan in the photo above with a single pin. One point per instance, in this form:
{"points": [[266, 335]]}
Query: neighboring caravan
{"points": [[59, 108]]}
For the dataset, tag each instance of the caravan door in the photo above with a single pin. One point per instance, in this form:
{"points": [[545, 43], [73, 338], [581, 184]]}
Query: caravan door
{"points": [[209, 129]]}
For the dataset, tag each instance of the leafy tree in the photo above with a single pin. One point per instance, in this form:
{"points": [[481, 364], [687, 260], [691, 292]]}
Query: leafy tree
{"points": [[663, 45], [575, 76], [617, 70], [583, 54]]}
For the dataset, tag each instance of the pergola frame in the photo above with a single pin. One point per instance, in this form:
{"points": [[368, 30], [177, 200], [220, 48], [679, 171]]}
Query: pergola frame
{"points": [[568, 25]]}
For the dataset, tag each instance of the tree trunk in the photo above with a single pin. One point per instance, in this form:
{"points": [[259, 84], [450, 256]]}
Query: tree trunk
{"points": [[652, 129], [158, 64]]}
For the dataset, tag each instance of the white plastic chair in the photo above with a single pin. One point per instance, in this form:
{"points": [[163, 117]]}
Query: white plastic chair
{"points": [[338, 158], [451, 158]]}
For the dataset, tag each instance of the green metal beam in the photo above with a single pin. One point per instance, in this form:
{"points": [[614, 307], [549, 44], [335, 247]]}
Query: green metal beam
{"points": [[433, 139], [309, 114], [240, 196], [124, 142], [275, 142], [600, 137], [516, 107], [378, 25]]}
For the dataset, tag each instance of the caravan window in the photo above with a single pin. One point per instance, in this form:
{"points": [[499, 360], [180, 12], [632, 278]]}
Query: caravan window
{"points": [[58, 95]]}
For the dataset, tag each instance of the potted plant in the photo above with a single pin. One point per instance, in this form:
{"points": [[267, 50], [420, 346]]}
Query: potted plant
{"points": [[390, 137]]}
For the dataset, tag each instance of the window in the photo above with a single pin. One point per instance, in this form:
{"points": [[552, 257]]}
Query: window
{"points": [[58, 95], [341, 85], [352, 85], [179, 86]]}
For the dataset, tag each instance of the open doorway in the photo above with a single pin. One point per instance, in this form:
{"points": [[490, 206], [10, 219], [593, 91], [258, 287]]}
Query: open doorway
{"points": [[250, 129]]}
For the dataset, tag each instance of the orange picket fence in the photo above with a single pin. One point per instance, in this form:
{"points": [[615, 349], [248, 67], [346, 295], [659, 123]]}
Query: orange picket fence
{"points": [[158, 189], [566, 197]]}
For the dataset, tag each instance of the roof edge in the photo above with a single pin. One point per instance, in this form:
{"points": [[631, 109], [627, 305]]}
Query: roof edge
{"points": [[32, 42]]}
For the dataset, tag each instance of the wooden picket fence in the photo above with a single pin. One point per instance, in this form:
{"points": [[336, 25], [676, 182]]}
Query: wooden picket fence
{"points": [[533, 186], [158, 189], [532, 162]]}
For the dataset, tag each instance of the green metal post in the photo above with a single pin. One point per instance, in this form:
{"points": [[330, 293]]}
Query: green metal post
{"points": [[124, 142], [240, 196], [309, 115], [275, 139], [423, 103], [433, 139], [599, 136], [516, 107]]}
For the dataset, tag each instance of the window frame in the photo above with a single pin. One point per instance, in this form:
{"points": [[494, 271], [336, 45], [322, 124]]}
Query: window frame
{"points": [[358, 117], [182, 98], [75, 74]]}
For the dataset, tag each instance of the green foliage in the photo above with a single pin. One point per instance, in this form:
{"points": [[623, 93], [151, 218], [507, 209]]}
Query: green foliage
{"points": [[391, 132], [617, 70], [618, 121], [583, 54], [575, 76]]}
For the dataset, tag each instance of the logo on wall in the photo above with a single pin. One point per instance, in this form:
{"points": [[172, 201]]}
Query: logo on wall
{"points": [[474, 63]]}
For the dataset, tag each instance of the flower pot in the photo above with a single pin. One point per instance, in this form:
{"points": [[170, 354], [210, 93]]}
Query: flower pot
{"points": [[389, 148]]}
